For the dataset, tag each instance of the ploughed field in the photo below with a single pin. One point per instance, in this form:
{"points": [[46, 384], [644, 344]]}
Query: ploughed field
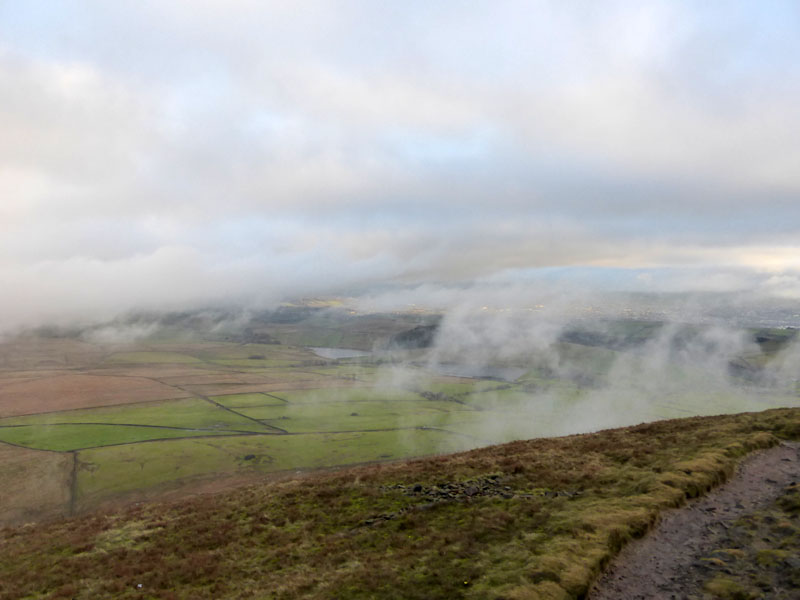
{"points": [[86, 425]]}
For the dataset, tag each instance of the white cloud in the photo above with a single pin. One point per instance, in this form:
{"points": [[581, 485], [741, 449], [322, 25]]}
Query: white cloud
{"points": [[251, 150]]}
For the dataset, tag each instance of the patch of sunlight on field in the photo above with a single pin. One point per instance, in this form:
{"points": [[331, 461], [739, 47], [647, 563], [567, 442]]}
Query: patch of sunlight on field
{"points": [[192, 413], [145, 357], [72, 436], [105, 472]]}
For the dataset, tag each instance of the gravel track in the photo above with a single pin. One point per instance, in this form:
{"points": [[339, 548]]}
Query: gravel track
{"points": [[665, 564]]}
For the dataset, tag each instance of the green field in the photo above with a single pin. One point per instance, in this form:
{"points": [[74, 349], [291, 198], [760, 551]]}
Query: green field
{"points": [[237, 401], [147, 357], [72, 437], [106, 472], [346, 394], [189, 413], [350, 416]]}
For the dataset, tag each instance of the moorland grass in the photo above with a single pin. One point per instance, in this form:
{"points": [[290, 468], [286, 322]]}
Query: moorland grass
{"points": [[568, 505]]}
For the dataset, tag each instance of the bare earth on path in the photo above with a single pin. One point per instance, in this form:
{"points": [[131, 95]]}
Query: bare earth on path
{"points": [[667, 563]]}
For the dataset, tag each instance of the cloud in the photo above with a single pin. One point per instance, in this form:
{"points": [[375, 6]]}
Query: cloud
{"points": [[627, 376], [249, 150]]}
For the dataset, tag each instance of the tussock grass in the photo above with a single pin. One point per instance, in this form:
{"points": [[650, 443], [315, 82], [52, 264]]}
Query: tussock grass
{"points": [[570, 504]]}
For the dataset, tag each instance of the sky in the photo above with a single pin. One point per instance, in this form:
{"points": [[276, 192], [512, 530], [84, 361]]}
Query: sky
{"points": [[172, 154]]}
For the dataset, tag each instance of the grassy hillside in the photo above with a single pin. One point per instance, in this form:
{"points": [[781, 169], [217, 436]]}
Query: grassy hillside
{"points": [[529, 519]]}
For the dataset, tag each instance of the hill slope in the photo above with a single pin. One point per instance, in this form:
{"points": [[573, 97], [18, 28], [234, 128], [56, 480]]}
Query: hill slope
{"points": [[529, 519]]}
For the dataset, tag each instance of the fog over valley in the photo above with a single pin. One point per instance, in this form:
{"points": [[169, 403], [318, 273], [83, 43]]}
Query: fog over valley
{"points": [[395, 299], [253, 154]]}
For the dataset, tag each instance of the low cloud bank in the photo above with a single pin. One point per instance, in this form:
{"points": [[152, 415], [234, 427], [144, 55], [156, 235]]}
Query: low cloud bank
{"points": [[583, 374], [85, 292]]}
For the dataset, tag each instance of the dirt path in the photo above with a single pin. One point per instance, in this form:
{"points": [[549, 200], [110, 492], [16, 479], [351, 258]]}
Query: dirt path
{"points": [[669, 562]]}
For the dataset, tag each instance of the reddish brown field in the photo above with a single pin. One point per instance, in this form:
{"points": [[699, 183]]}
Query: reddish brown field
{"points": [[36, 484], [10, 377], [64, 392]]}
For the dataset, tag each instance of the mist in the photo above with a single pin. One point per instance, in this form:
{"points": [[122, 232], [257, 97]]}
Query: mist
{"points": [[168, 157], [558, 373]]}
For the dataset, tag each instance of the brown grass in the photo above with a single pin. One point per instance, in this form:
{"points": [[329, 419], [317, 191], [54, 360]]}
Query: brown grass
{"points": [[35, 486], [65, 392], [37, 353]]}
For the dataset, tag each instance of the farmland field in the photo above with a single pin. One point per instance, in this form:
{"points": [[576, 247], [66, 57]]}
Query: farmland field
{"points": [[36, 484], [90, 424], [104, 473]]}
